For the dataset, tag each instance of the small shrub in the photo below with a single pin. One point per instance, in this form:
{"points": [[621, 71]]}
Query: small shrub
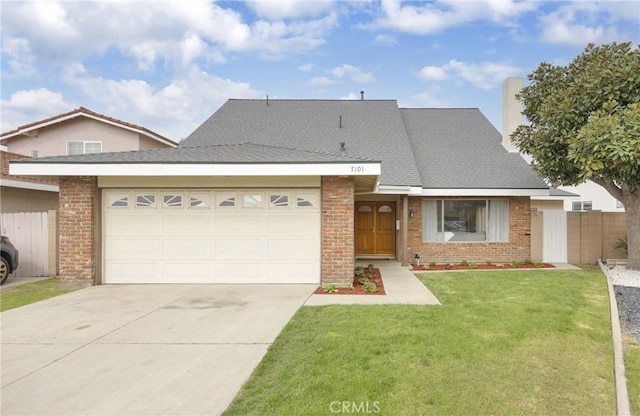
{"points": [[515, 263], [330, 288], [622, 243], [432, 264], [371, 269], [500, 265], [539, 265], [350, 286], [371, 287], [472, 265], [447, 266], [464, 263], [488, 263], [527, 261], [363, 281], [359, 271]]}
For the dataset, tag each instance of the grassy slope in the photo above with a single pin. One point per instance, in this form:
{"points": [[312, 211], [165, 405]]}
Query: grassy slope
{"points": [[525, 342]]}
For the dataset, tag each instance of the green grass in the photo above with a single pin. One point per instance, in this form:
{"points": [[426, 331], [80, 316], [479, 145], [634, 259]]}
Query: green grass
{"points": [[526, 342], [27, 293], [632, 372]]}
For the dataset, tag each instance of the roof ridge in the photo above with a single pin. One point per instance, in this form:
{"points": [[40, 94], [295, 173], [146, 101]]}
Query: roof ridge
{"points": [[314, 99], [439, 108]]}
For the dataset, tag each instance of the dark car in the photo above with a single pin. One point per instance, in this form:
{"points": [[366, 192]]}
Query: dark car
{"points": [[9, 259]]}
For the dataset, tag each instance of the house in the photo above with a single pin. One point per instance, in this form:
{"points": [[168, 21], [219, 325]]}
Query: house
{"points": [[293, 191]]}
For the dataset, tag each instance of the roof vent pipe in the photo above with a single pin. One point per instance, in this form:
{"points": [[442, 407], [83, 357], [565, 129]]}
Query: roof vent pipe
{"points": [[342, 148], [340, 122], [267, 100], [361, 95]]}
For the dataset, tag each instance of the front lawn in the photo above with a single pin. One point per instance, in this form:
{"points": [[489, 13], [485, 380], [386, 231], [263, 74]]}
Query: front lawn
{"points": [[632, 372], [507, 342], [21, 295]]}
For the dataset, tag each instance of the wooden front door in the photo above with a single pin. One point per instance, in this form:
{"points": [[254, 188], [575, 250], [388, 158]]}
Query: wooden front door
{"points": [[376, 228]]}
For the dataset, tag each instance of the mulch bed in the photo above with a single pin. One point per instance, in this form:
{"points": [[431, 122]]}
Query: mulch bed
{"points": [[358, 288], [479, 266]]}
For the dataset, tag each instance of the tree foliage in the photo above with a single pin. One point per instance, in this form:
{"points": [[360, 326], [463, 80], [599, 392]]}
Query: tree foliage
{"points": [[584, 123]]}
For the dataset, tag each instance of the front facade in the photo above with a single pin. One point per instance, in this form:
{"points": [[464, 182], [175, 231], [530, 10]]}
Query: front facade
{"points": [[293, 191]]}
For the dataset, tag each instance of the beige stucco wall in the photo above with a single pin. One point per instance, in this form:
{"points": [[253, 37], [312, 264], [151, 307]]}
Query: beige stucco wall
{"points": [[545, 204], [52, 140], [27, 200], [148, 143]]}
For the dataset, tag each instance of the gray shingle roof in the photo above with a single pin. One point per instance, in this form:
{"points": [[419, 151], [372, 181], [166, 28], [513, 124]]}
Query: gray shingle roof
{"points": [[230, 153], [371, 129], [460, 148]]}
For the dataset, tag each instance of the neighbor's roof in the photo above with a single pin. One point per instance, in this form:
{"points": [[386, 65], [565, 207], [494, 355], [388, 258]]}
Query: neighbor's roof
{"points": [[460, 148], [370, 129], [84, 112], [16, 181]]}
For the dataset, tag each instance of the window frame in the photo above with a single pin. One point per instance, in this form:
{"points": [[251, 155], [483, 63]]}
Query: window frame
{"points": [[84, 146]]}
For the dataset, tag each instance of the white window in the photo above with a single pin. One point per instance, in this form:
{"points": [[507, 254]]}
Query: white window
{"points": [[465, 220], [118, 200], [34, 153], [252, 201], [278, 200], [172, 201], [582, 205], [145, 201], [619, 204], [199, 200], [225, 200], [83, 147], [308, 200]]}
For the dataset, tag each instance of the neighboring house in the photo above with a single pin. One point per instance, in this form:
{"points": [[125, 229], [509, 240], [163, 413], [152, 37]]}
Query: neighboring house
{"points": [[80, 131], [293, 191]]}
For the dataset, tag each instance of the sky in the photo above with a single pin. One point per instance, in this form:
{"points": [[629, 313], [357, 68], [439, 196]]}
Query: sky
{"points": [[169, 65]]}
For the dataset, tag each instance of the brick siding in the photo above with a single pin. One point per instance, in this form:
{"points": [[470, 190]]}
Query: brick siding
{"points": [[76, 222], [518, 247], [338, 248]]}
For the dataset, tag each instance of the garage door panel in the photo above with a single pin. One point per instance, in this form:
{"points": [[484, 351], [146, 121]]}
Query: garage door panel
{"points": [[294, 225], [304, 272], [128, 272], [187, 272], [186, 224], [232, 225], [293, 249], [240, 249], [187, 248], [246, 272], [132, 248], [123, 224], [217, 242]]}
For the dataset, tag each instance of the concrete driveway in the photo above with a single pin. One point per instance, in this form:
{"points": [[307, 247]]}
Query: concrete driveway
{"points": [[140, 349]]}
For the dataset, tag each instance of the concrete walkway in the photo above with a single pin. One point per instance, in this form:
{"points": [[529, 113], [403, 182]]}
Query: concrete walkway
{"points": [[402, 287]]}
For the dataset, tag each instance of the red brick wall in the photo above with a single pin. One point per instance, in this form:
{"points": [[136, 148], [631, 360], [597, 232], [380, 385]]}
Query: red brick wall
{"points": [[518, 247], [76, 221], [338, 248]]}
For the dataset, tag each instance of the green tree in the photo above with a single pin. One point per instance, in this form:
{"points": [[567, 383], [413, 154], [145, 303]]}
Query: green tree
{"points": [[584, 124]]}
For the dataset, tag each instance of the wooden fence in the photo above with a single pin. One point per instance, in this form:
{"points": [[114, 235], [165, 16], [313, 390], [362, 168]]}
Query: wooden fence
{"points": [[34, 235]]}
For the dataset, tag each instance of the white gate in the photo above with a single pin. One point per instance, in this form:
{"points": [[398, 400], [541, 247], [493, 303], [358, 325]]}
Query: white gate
{"points": [[28, 231], [554, 236]]}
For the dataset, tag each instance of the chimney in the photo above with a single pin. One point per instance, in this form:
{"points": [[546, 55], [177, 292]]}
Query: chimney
{"points": [[511, 111]]}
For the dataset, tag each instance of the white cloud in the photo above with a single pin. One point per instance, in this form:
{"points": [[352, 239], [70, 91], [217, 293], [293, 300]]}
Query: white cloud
{"points": [[353, 73], [287, 9], [320, 82], [385, 40], [19, 55], [486, 75], [433, 17], [173, 110], [180, 32], [435, 73], [351, 96], [27, 106], [306, 67], [427, 99], [579, 23]]}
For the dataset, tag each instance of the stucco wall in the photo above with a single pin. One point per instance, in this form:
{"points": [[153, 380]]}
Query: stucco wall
{"points": [[52, 140]]}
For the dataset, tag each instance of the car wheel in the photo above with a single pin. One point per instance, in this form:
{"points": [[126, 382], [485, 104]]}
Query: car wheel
{"points": [[4, 270]]}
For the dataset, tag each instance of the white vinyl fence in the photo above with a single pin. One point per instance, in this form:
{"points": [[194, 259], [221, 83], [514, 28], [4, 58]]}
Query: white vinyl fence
{"points": [[28, 231]]}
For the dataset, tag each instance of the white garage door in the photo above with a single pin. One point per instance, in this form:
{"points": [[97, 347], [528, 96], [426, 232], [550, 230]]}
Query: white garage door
{"points": [[211, 236]]}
